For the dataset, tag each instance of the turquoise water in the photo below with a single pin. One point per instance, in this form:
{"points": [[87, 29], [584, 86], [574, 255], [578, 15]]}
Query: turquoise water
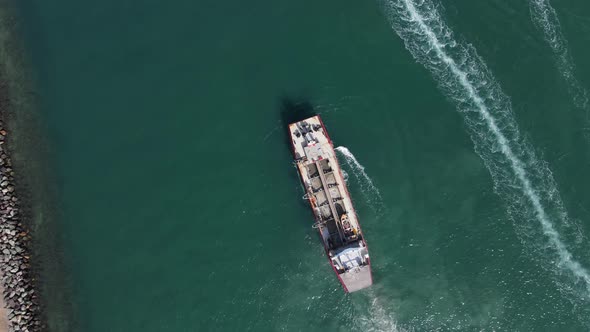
{"points": [[181, 208]]}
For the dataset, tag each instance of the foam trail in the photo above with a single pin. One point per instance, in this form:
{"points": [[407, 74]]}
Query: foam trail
{"points": [[378, 318], [520, 178], [345, 175], [545, 18], [369, 189]]}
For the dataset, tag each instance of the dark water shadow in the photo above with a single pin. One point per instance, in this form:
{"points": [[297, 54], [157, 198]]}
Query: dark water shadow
{"points": [[293, 110]]}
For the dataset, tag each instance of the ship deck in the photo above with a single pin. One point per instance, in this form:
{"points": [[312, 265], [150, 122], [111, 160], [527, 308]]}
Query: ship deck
{"points": [[325, 184], [332, 206]]}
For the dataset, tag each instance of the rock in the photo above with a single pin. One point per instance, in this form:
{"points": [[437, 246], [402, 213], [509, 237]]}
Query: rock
{"points": [[17, 280]]}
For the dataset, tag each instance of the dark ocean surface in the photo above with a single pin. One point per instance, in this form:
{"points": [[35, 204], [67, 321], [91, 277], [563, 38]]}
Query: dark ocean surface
{"points": [[180, 207]]}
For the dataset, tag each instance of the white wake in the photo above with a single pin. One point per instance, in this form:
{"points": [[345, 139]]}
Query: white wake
{"points": [[379, 318], [520, 178], [545, 19], [368, 188]]}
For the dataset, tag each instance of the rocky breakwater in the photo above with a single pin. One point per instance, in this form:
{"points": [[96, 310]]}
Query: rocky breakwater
{"points": [[16, 277]]}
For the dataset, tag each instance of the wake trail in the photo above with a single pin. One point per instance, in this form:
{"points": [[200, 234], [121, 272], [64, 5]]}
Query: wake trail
{"points": [[545, 19], [524, 182], [378, 318], [368, 188]]}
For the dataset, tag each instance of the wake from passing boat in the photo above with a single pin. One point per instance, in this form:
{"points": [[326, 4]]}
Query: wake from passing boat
{"points": [[520, 178], [545, 19], [368, 188]]}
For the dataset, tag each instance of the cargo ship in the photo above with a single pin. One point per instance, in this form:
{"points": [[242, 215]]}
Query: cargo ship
{"points": [[326, 191]]}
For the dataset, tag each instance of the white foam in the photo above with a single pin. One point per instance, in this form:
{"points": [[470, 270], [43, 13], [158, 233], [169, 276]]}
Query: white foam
{"points": [[520, 178], [368, 188], [345, 175], [545, 18], [378, 318]]}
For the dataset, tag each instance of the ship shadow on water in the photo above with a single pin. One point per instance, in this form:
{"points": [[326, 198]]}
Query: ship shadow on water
{"points": [[293, 110]]}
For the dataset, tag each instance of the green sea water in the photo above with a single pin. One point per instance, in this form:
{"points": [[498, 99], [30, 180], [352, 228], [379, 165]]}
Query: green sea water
{"points": [[181, 211]]}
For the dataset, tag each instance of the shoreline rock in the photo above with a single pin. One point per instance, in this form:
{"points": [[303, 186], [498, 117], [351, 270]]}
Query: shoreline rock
{"points": [[16, 274]]}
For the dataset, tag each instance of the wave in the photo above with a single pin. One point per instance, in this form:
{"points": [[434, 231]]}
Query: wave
{"points": [[370, 192], [520, 178], [545, 19]]}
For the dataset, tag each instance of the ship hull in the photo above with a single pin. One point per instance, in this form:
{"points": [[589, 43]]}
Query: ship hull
{"points": [[338, 225]]}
